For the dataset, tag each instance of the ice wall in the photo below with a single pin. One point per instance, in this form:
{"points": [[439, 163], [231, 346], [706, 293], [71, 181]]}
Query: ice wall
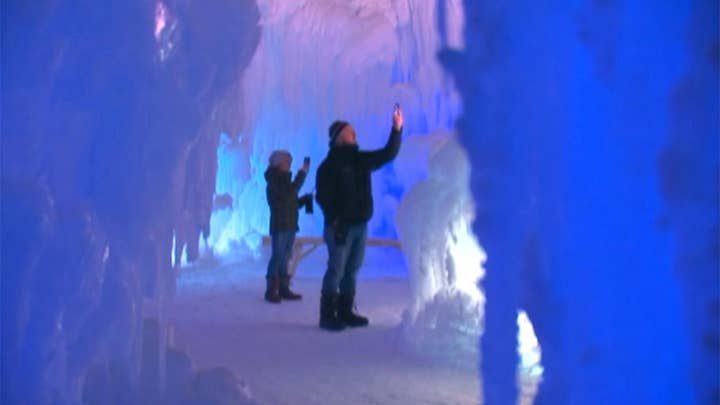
{"points": [[567, 109], [689, 181], [444, 259], [110, 116], [321, 60]]}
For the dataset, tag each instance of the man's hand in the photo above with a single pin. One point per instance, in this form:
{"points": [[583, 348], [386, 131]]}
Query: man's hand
{"points": [[397, 118], [339, 233]]}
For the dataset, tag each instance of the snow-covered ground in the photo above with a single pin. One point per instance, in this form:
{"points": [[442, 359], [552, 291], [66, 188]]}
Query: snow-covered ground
{"points": [[220, 319]]}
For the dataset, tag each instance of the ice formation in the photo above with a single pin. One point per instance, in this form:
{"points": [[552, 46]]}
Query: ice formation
{"points": [[591, 129], [321, 60]]}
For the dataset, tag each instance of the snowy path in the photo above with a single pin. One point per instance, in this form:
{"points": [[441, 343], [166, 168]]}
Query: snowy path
{"points": [[221, 320]]}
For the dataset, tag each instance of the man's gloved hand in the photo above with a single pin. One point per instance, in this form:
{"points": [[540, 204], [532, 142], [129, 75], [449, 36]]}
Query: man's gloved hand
{"points": [[307, 202], [340, 233]]}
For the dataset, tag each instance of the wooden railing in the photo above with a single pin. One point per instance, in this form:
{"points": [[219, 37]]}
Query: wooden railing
{"points": [[313, 242]]}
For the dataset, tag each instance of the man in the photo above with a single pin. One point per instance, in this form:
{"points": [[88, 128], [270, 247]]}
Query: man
{"points": [[344, 192]]}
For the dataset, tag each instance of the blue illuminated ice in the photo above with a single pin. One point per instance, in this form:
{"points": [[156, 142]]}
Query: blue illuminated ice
{"points": [[445, 319]]}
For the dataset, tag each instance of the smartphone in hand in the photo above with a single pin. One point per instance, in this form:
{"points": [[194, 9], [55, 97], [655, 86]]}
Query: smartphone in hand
{"points": [[306, 161]]}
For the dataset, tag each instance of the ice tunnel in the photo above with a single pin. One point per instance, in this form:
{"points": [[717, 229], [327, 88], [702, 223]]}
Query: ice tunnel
{"points": [[555, 199]]}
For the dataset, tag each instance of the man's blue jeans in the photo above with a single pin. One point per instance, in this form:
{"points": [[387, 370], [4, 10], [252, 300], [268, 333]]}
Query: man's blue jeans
{"points": [[282, 245], [344, 260]]}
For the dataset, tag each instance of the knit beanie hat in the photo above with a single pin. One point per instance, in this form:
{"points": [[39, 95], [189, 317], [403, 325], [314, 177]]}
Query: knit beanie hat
{"points": [[278, 156], [335, 130]]}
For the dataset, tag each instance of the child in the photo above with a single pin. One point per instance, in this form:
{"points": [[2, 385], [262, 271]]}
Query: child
{"points": [[284, 204]]}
